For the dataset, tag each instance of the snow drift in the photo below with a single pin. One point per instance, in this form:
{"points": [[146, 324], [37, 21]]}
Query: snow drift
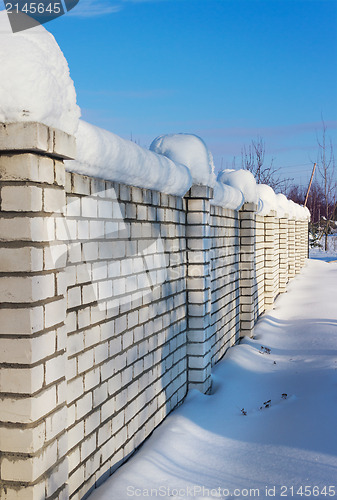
{"points": [[35, 84], [104, 155], [242, 180], [190, 150]]}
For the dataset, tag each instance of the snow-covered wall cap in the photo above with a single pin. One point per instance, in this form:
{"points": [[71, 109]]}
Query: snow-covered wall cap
{"points": [[104, 155], [268, 200], [189, 150], [282, 205], [35, 84], [307, 213], [299, 212], [243, 180], [227, 196], [279, 203]]}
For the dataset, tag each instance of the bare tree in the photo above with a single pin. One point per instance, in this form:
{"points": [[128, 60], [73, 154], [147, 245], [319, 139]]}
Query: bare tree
{"points": [[253, 159], [327, 171], [316, 200]]}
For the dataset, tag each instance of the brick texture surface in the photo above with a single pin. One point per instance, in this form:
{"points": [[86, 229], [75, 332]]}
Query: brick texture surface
{"points": [[115, 301]]}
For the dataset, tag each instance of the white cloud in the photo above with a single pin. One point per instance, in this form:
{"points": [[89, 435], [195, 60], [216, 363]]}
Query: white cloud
{"points": [[88, 8]]}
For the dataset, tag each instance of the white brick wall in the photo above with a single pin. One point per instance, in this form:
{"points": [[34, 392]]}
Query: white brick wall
{"points": [[110, 363], [224, 280], [113, 297]]}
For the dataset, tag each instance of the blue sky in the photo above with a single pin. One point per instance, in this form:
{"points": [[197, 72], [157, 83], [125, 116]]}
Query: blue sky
{"points": [[227, 70]]}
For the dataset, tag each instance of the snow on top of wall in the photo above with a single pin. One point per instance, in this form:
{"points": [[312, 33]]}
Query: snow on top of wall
{"points": [[243, 180], [267, 198], [189, 150], [104, 155], [35, 84], [269, 201], [282, 205], [235, 187], [227, 196]]}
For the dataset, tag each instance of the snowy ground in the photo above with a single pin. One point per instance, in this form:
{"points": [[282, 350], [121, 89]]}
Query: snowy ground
{"points": [[331, 254], [290, 447]]}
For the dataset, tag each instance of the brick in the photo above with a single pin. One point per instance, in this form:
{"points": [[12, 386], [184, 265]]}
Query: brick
{"points": [[76, 434], [105, 209], [21, 321], [21, 380], [89, 207], [64, 145], [89, 293], [85, 361], [92, 422], [90, 251], [55, 256], [75, 389], [99, 271], [92, 336], [74, 297], [100, 394], [96, 229], [108, 409], [54, 200], [27, 409], [101, 353], [55, 312], [73, 206], [88, 447], [83, 273], [114, 384], [34, 136], [56, 423], [26, 167], [104, 290], [27, 350], [17, 440], [57, 478], [198, 191], [91, 379], [59, 174], [84, 406], [75, 480], [74, 253], [21, 199], [25, 493], [55, 368], [35, 229]]}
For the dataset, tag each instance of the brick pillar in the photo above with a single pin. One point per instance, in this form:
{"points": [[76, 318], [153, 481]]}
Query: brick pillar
{"points": [[306, 230], [283, 254], [33, 413], [248, 283], [291, 248], [304, 242], [198, 288], [298, 238], [259, 263], [276, 257], [269, 249]]}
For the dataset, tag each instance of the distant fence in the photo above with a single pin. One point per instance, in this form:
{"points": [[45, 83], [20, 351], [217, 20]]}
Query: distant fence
{"points": [[115, 301]]}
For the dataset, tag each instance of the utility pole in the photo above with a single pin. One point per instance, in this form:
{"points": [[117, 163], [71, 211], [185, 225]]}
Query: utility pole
{"points": [[312, 176]]}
